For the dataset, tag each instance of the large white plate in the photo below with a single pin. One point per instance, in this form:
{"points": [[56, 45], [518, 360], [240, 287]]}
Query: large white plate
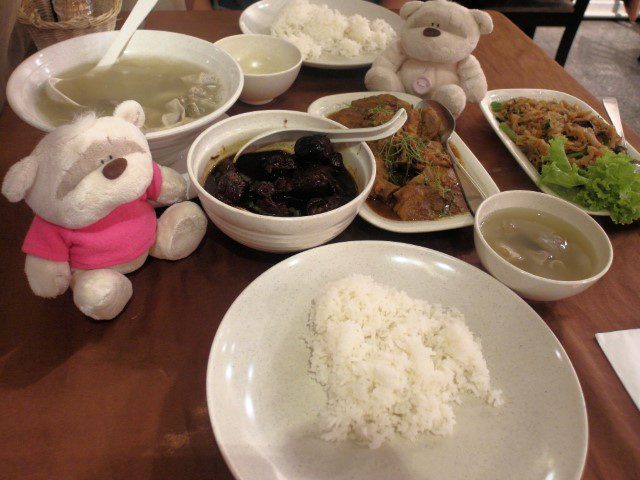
{"points": [[521, 158], [326, 105], [263, 403], [259, 17]]}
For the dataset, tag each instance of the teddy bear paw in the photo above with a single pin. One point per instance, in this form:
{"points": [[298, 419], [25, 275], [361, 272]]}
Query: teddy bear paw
{"points": [[452, 97], [380, 79], [46, 278], [180, 230], [101, 294]]}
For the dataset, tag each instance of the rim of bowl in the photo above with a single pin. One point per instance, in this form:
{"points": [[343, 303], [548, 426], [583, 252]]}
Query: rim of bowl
{"points": [[278, 39], [194, 125], [195, 181], [575, 209]]}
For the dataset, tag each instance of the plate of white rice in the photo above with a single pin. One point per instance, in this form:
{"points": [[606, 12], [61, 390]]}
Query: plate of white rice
{"points": [[381, 360], [333, 34]]}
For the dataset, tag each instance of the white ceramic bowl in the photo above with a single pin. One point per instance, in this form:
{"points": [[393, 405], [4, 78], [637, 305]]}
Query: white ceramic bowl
{"points": [[275, 234], [169, 147], [266, 51], [526, 284]]}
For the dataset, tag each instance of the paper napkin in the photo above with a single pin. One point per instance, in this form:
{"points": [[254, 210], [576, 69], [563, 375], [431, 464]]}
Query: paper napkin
{"points": [[622, 348]]}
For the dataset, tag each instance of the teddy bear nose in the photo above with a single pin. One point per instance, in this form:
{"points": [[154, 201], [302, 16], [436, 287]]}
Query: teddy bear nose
{"points": [[431, 32], [114, 168]]}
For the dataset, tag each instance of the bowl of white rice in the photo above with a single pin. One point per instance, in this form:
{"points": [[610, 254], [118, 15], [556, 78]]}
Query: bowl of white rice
{"points": [[329, 33]]}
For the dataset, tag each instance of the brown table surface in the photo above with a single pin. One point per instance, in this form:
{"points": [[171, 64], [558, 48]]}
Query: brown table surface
{"points": [[126, 399]]}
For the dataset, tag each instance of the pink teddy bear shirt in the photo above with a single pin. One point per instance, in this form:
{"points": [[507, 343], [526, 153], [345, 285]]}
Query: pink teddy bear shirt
{"points": [[122, 236]]}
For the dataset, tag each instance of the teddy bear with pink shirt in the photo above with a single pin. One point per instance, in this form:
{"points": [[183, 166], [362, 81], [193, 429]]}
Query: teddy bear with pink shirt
{"points": [[91, 184], [432, 57]]}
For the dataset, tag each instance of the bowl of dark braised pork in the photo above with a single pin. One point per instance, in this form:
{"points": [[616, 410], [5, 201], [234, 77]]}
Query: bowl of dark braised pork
{"points": [[286, 196]]}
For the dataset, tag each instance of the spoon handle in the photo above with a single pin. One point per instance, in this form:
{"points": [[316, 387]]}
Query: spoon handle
{"points": [[369, 134], [470, 189], [611, 106], [135, 18], [336, 135]]}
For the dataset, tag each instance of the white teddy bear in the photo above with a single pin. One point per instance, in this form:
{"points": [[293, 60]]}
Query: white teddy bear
{"points": [[90, 184], [432, 58]]}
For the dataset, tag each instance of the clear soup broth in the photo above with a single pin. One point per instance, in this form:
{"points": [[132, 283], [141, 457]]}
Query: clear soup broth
{"points": [[172, 92], [540, 244]]}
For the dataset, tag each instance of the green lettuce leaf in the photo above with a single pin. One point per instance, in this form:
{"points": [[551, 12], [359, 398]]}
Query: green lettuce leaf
{"points": [[610, 184]]}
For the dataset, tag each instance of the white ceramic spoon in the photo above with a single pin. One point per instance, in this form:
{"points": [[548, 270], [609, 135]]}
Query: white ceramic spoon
{"points": [[135, 18], [336, 135]]}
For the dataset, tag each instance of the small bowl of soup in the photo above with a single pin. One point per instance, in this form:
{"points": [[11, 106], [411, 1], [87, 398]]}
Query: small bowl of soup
{"points": [[183, 83], [270, 65], [542, 247]]}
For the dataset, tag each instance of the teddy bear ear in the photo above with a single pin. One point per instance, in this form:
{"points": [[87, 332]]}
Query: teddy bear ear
{"points": [[408, 8], [484, 21], [19, 179], [131, 111]]}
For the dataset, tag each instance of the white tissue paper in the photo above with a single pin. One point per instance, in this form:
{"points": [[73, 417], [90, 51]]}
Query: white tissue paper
{"points": [[622, 348]]}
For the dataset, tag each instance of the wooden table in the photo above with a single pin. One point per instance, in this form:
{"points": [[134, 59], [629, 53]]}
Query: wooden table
{"points": [[126, 399]]}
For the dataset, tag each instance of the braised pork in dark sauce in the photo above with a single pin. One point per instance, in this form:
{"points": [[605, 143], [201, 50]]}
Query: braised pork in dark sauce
{"points": [[415, 179], [310, 181]]}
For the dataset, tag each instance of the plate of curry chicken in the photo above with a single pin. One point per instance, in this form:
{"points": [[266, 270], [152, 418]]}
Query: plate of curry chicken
{"points": [[416, 188]]}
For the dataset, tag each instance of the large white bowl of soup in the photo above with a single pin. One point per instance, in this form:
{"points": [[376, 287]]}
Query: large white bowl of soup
{"points": [[542, 247], [257, 226], [184, 84]]}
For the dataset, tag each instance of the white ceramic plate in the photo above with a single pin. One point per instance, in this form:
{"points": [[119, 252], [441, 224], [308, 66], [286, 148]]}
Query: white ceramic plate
{"points": [[521, 158], [259, 17], [263, 403], [326, 105]]}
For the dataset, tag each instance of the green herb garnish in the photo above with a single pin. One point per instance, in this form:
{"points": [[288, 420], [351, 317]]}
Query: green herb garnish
{"points": [[380, 109], [495, 106], [402, 152], [508, 131]]}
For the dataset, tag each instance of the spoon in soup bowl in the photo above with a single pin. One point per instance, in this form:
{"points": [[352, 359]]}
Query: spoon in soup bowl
{"points": [[135, 18], [335, 135]]}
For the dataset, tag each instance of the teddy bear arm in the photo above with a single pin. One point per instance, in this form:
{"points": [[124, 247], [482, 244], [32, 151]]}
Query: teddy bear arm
{"points": [[47, 278], [391, 58], [472, 79], [174, 187], [383, 74]]}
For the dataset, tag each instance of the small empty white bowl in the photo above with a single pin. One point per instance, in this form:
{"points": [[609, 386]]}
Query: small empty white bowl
{"points": [[524, 283], [262, 232], [270, 65]]}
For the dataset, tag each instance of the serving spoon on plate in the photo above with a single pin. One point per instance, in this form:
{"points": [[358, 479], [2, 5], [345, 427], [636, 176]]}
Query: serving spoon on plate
{"points": [[473, 193], [336, 135], [135, 18]]}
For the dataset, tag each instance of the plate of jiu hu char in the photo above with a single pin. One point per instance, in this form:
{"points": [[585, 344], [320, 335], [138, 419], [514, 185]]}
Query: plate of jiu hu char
{"points": [[568, 150]]}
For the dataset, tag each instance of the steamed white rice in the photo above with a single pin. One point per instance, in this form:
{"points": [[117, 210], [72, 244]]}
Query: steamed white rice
{"points": [[318, 30], [391, 364]]}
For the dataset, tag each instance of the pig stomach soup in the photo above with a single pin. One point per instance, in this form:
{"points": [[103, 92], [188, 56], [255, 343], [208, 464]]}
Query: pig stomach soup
{"points": [[540, 244], [171, 92]]}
